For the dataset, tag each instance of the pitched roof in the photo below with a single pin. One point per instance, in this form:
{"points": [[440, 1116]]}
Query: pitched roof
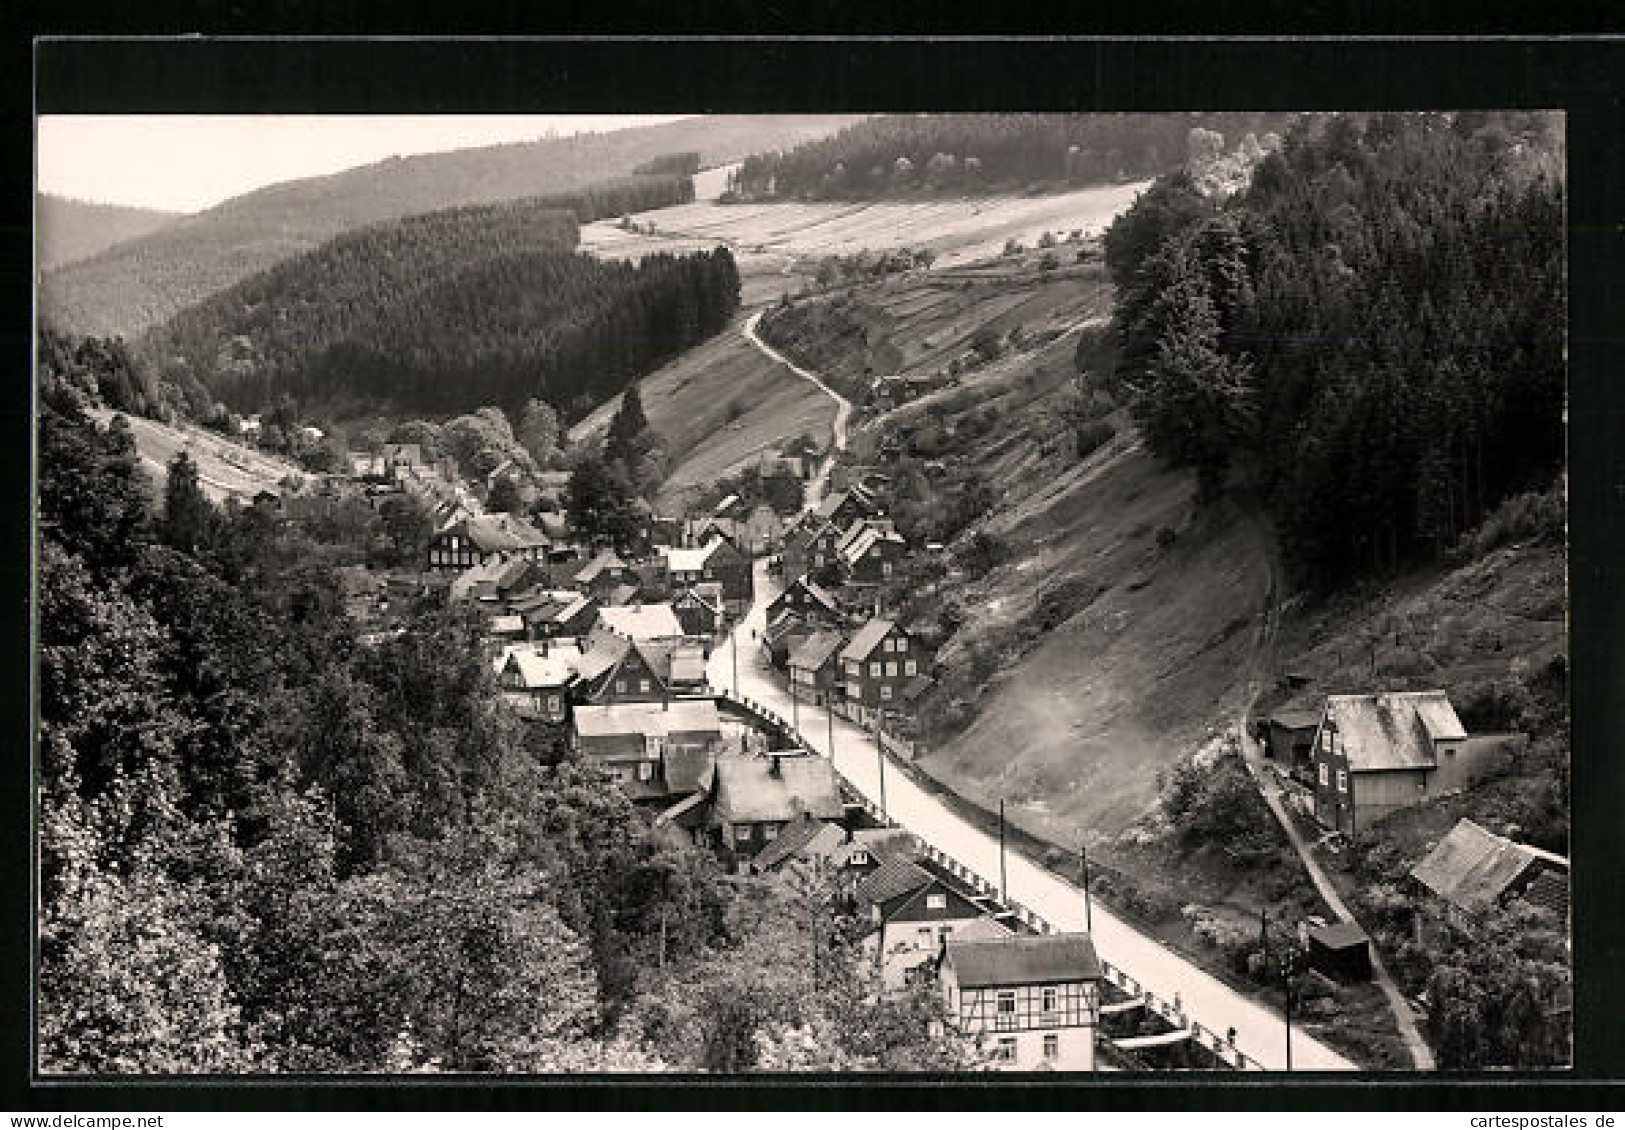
{"points": [[1339, 935], [707, 593], [536, 671], [686, 664], [690, 560], [816, 650], [603, 654], [1024, 960], [894, 877], [493, 532], [791, 839], [476, 579], [689, 770], [1473, 867], [606, 559], [915, 687], [640, 621], [1395, 730], [616, 719], [867, 639], [507, 625], [748, 790], [1296, 719]]}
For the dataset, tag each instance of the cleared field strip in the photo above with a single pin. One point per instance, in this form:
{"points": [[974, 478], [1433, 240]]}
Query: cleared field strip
{"points": [[225, 469]]}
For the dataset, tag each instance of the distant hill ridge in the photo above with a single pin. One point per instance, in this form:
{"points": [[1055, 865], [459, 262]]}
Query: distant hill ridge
{"points": [[143, 281], [67, 229]]}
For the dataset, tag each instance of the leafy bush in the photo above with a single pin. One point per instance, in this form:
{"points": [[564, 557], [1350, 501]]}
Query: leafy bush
{"points": [[1532, 516]]}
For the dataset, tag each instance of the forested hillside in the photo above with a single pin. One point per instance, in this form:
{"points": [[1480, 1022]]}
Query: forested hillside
{"points": [[1373, 332], [446, 313], [144, 281], [267, 845], [958, 154], [68, 230]]}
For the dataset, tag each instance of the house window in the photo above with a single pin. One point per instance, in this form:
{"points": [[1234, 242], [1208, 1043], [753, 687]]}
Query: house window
{"points": [[885, 568], [891, 669], [1050, 998], [1005, 1050], [1323, 774], [924, 933], [902, 645], [885, 691], [643, 685], [1005, 1015], [1342, 781], [910, 667], [770, 831], [646, 770], [859, 858], [1052, 1045], [553, 703], [742, 833], [1325, 739], [620, 686], [936, 902], [874, 670]]}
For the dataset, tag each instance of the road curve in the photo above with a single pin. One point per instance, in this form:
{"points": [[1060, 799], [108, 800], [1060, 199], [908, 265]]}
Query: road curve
{"points": [[741, 666], [843, 409]]}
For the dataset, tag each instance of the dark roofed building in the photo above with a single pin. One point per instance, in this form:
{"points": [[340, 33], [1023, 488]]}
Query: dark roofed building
{"points": [[1341, 951], [815, 667]]}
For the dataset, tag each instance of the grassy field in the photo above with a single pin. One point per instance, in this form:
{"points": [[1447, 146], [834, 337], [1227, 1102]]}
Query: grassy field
{"points": [[720, 406], [225, 469]]}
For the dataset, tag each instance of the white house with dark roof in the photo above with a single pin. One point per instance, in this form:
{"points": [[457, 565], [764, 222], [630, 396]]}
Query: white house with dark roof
{"points": [[637, 622], [536, 678], [914, 907], [1378, 753], [1027, 1002]]}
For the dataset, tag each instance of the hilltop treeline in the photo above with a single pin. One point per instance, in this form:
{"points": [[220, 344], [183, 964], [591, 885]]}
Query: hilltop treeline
{"points": [[674, 164], [446, 313], [267, 844], [975, 153], [640, 193], [1374, 329]]}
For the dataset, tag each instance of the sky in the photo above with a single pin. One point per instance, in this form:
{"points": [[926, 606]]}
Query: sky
{"points": [[185, 163]]}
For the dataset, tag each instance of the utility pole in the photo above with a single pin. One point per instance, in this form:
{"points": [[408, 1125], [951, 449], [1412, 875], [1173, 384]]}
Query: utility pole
{"points": [[829, 717], [1285, 963], [880, 760], [795, 705], [1004, 886], [733, 638], [1083, 864]]}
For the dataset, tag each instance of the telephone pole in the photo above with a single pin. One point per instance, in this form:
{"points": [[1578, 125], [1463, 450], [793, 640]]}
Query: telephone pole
{"points": [[1083, 866], [829, 718], [1004, 886], [733, 638], [880, 760]]}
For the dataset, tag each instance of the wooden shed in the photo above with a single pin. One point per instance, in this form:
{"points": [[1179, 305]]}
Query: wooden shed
{"points": [[1341, 951]]}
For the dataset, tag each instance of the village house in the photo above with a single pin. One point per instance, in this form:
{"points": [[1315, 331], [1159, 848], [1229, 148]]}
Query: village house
{"points": [[551, 614], [1289, 738], [603, 576], [913, 908], [842, 508], [1473, 871], [400, 458], [1029, 1002], [475, 540], [719, 561], [880, 659], [815, 667], [633, 740], [755, 797], [783, 635], [622, 670], [536, 679], [871, 553], [700, 609], [1377, 753], [635, 622], [809, 600]]}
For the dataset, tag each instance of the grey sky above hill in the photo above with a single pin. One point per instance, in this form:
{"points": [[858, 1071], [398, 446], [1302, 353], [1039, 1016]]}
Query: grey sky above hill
{"points": [[185, 163]]}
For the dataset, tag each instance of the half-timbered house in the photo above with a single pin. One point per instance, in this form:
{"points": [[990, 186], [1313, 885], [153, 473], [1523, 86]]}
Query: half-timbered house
{"points": [[1028, 1002]]}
